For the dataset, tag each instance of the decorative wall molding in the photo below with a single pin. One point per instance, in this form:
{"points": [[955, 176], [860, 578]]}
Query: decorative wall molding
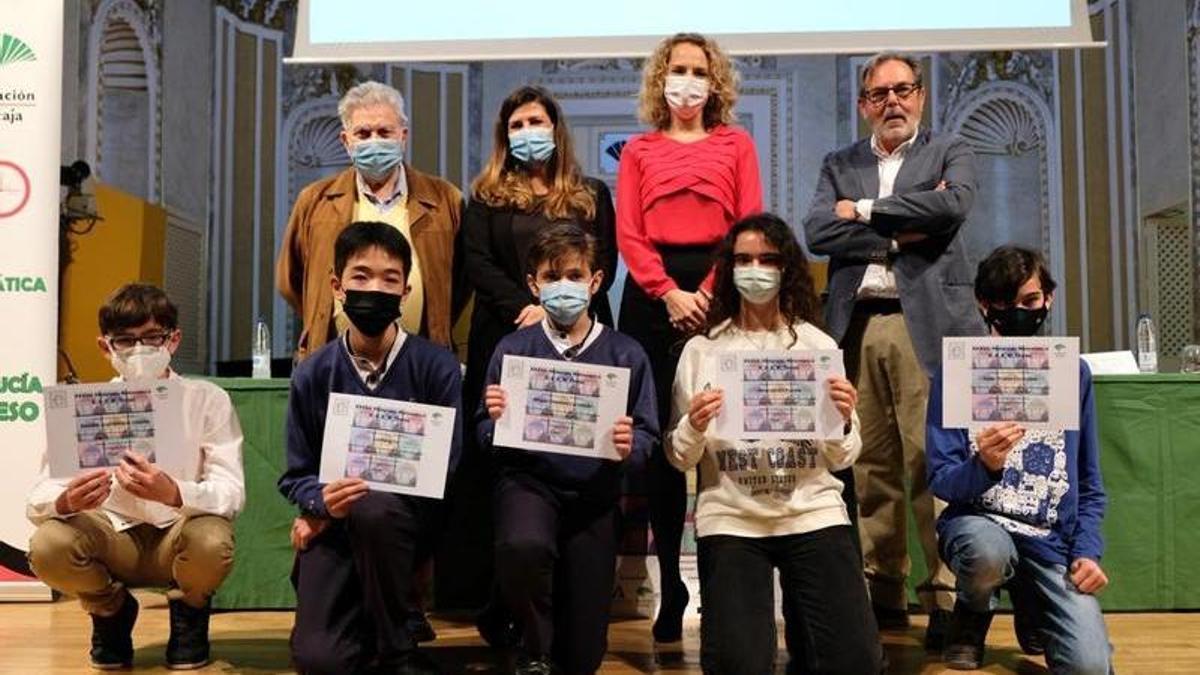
{"points": [[1193, 33], [145, 23], [1035, 70]]}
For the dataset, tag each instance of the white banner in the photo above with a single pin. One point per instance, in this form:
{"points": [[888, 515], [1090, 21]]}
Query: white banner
{"points": [[31, 44]]}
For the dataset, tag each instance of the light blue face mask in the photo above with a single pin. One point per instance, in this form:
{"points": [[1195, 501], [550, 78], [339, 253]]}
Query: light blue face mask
{"points": [[757, 284], [376, 158], [565, 301], [531, 144]]}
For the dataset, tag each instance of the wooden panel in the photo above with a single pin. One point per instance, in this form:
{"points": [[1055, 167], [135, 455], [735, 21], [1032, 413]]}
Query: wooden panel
{"points": [[425, 133], [1101, 267], [456, 110], [266, 197], [1072, 276], [243, 265]]}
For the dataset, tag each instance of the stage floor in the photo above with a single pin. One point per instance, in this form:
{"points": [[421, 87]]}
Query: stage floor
{"points": [[47, 639]]}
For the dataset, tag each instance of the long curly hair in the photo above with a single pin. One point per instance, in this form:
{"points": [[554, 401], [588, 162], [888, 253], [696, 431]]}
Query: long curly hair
{"points": [[797, 291], [723, 81], [504, 182]]}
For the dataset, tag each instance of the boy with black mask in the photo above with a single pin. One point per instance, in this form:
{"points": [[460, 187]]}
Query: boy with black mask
{"points": [[557, 517], [356, 547], [1025, 506]]}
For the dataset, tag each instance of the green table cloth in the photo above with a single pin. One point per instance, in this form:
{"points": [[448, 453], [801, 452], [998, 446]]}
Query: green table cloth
{"points": [[1150, 456]]}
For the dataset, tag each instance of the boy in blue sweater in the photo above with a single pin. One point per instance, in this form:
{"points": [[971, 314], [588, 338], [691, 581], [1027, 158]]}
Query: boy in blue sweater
{"points": [[1024, 506], [356, 547], [557, 516]]}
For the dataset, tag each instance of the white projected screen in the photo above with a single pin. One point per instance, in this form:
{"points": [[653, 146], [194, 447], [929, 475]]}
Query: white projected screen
{"points": [[391, 30]]}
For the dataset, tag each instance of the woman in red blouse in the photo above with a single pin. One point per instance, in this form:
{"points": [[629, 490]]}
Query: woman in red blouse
{"points": [[679, 189]]}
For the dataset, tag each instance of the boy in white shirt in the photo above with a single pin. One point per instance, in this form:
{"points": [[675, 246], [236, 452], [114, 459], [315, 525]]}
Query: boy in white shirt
{"points": [[112, 528]]}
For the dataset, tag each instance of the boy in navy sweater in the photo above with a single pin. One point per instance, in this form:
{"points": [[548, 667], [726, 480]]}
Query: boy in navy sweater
{"points": [[557, 515], [356, 547], [1024, 506]]}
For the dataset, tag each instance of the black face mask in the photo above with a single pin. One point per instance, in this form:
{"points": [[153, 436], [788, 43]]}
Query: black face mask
{"points": [[1016, 321], [371, 312]]}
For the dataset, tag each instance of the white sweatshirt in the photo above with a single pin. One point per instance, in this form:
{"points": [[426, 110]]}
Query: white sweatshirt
{"points": [[756, 488]]}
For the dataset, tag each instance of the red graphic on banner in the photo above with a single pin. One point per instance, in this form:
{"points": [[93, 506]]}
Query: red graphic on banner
{"points": [[14, 189]]}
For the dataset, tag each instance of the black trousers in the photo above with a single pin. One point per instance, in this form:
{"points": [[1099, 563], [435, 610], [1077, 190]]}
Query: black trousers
{"points": [[829, 626], [352, 584], [646, 320], [556, 560]]}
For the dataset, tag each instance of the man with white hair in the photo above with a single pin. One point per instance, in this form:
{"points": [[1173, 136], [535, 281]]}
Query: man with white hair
{"points": [[379, 186]]}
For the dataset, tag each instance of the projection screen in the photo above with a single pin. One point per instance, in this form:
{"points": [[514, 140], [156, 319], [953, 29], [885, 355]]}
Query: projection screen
{"points": [[470, 30]]}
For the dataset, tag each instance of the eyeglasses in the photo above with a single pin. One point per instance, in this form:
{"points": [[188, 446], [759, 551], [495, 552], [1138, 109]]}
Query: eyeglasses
{"points": [[124, 342], [879, 95]]}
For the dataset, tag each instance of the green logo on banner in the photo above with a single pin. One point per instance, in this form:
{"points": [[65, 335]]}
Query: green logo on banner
{"points": [[22, 284], [19, 411], [14, 50]]}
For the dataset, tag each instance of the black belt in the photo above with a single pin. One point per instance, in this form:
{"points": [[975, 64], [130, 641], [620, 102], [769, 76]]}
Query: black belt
{"points": [[877, 306]]}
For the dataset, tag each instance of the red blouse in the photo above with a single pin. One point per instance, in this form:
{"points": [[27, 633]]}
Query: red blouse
{"points": [[676, 193]]}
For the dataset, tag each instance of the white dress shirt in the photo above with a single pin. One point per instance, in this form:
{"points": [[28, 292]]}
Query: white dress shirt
{"points": [[212, 482], [879, 281]]}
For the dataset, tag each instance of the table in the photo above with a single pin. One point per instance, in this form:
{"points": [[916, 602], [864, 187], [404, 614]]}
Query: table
{"points": [[1149, 428]]}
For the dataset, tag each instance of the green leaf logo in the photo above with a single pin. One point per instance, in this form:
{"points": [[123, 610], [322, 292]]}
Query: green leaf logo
{"points": [[13, 50]]}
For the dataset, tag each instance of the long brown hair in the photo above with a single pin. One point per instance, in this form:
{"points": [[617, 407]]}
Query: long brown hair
{"points": [[722, 77], [797, 292], [504, 182]]}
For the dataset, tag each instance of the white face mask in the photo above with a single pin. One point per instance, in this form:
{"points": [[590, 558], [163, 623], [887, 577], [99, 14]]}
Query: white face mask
{"points": [[685, 91], [140, 363], [757, 284]]}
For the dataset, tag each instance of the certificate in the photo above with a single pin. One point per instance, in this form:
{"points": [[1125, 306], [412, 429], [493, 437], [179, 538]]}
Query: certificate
{"points": [[1031, 381], [395, 446], [561, 406], [779, 395], [91, 426]]}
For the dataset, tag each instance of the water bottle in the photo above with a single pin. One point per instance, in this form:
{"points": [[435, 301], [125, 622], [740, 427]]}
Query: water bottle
{"points": [[261, 353], [1147, 348]]}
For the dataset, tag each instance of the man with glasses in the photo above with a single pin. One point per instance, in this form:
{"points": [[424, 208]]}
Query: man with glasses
{"points": [[379, 186], [131, 524], [888, 211]]}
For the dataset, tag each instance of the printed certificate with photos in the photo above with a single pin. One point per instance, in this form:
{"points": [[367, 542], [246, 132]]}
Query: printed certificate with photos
{"points": [[1031, 381], [92, 426], [561, 406], [779, 395], [395, 446]]}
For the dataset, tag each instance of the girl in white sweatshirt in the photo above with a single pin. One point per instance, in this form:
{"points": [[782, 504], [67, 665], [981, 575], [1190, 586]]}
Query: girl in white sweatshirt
{"points": [[766, 505]]}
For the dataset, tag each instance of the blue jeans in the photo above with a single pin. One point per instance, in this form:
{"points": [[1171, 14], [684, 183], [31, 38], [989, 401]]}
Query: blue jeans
{"points": [[985, 558]]}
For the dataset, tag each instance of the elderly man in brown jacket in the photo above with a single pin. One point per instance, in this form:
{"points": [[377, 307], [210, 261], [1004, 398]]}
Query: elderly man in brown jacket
{"points": [[380, 187]]}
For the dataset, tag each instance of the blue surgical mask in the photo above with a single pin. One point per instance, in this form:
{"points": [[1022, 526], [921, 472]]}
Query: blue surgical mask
{"points": [[376, 158], [757, 284], [531, 144], [565, 301]]}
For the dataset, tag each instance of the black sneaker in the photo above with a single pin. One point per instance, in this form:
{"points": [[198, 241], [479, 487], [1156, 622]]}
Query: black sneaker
{"points": [[887, 618], [497, 628], [1029, 634], [668, 626], [935, 632], [112, 637], [965, 638], [418, 626], [188, 647], [529, 665]]}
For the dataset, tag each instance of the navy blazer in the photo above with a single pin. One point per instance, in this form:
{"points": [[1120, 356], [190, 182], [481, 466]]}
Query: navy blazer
{"points": [[934, 276]]}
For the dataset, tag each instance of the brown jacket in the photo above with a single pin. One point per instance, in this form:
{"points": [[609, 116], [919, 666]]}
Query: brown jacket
{"points": [[324, 208]]}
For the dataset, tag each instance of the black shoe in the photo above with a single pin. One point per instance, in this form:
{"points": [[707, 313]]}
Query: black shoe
{"points": [[497, 628], [935, 632], [529, 665], [188, 648], [418, 626], [668, 625], [965, 638], [887, 618], [112, 637], [413, 663], [1029, 634]]}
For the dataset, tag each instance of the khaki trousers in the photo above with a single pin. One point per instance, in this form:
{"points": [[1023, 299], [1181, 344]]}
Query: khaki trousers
{"points": [[893, 392], [84, 556]]}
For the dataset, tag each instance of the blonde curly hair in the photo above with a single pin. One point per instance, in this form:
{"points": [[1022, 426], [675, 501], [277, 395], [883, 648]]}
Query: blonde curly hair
{"points": [[723, 81]]}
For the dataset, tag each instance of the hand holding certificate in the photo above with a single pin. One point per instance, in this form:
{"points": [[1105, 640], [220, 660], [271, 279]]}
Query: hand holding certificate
{"points": [[782, 395], [562, 406], [392, 446], [1030, 382]]}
